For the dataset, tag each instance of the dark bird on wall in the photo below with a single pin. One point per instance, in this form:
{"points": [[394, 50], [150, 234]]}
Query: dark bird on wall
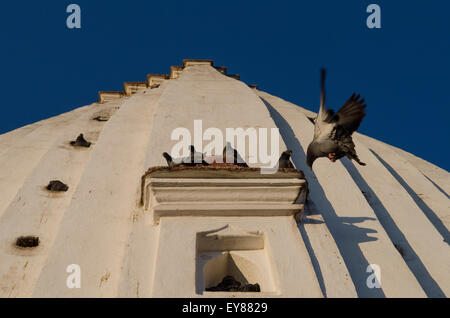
{"points": [[189, 162], [80, 142], [333, 131], [169, 159], [285, 160], [57, 186], [197, 157], [237, 160]]}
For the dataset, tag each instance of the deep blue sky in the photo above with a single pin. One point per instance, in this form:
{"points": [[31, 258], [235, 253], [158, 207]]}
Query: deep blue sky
{"points": [[401, 69]]}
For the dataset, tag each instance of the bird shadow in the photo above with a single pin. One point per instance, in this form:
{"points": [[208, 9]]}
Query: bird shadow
{"points": [[399, 240], [347, 235], [429, 213]]}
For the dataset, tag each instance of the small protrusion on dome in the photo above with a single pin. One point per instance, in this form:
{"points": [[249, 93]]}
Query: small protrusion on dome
{"points": [[100, 118], [255, 86], [156, 79], [235, 76], [221, 69], [80, 142], [103, 115], [104, 96], [27, 241], [175, 71], [191, 62], [130, 88], [57, 186]]}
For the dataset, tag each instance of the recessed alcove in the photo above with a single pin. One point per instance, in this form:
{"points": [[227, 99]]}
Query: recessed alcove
{"points": [[230, 251], [222, 230]]}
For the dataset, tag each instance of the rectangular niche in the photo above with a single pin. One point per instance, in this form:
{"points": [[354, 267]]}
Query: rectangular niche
{"points": [[231, 252]]}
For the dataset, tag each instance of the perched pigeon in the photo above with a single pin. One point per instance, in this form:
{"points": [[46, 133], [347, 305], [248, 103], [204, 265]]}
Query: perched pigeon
{"points": [[80, 142], [333, 131], [285, 160], [197, 157], [169, 159], [236, 158], [187, 162], [58, 186]]}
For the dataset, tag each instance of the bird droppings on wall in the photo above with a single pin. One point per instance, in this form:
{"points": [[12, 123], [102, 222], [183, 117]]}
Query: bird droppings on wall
{"points": [[104, 278], [57, 186], [27, 241]]}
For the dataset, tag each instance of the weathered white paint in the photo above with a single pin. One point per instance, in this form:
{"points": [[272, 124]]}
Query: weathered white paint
{"points": [[36, 211], [285, 264], [23, 156], [102, 206], [359, 236], [100, 225]]}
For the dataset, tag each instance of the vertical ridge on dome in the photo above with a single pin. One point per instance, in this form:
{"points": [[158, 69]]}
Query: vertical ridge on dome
{"points": [[36, 211], [102, 205], [392, 213], [418, 186], [16, 166], [359, 236]]}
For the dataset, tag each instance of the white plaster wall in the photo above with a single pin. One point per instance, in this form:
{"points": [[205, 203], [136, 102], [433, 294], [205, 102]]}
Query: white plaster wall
{"points": [[94, 231], [353, 224], [35, 211], [354, 216], [288, 256], [23, 156]]}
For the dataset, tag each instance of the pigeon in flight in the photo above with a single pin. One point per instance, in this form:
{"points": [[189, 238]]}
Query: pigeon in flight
{"points": [[285, 160], [333, 131]]}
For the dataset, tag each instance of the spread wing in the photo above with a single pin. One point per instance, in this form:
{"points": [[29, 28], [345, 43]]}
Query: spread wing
{"points": [[350, 115], [325, 120], [347, 118]]}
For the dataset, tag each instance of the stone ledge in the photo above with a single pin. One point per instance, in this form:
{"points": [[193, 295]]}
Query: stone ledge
{"points": [[175, 71], [190, 62], [130, 88], [184, 209], [156, 79], [106, 96], [222, 191], [235, 76]]}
